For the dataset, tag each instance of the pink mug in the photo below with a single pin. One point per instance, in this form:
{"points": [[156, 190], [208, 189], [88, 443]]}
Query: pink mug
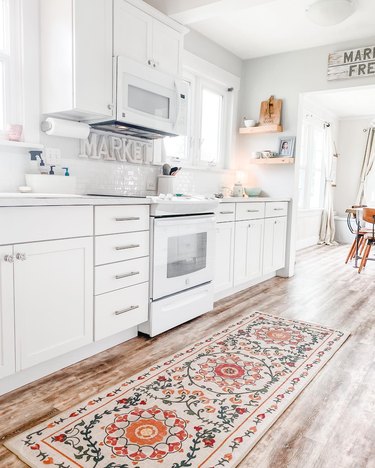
{"points": [[14, 132]]}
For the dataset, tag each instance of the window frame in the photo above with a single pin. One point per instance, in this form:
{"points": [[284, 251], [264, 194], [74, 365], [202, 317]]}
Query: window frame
{"points": [[308, 167], [199, 72], [11, 58]]}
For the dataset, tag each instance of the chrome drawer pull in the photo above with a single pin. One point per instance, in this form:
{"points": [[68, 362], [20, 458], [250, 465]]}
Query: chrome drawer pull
{"points": [[253, 211], [278, 209], [226, 212], [125, 247], [126, 275], [120, 312], [9, 258], [129, 218], [21, 256]]}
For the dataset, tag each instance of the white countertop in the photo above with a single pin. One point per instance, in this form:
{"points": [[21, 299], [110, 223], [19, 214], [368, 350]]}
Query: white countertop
{"points": [[254, 199], [98, 200]]}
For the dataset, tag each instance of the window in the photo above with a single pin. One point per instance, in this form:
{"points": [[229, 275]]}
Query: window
{"points": [[211, 105], [10, 70], [312, 170], [4, 63]]}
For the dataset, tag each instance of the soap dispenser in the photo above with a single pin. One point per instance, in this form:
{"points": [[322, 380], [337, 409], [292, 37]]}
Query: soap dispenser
{"points": [[34, 165]]}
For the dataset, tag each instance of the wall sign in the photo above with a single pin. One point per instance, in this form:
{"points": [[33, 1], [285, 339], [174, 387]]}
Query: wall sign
{"points": [[117, 148], [351, 63]]}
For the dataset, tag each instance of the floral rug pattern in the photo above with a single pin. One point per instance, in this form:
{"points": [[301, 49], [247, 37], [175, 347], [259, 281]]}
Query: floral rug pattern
{"points": [[205, 406]]}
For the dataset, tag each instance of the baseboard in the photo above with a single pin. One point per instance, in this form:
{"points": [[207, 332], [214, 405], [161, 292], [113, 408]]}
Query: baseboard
{"points": [[229, 292], [7, 384], [309, 242]]}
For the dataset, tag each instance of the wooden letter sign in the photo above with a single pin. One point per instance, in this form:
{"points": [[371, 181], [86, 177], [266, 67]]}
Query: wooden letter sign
{"points": [[351, 63]]}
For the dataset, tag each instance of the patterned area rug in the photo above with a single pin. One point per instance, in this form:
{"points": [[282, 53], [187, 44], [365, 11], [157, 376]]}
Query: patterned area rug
{"points": [[206, 406]]}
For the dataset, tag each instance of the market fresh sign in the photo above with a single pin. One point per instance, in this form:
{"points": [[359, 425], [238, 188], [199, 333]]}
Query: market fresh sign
{"points": [[351, 63]]}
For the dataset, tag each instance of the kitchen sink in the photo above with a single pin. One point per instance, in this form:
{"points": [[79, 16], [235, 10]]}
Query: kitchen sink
{"points": [[37, 195]]}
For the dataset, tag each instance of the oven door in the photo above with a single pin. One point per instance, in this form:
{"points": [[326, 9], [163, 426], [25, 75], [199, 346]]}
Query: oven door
{"points": [[183, 253]]}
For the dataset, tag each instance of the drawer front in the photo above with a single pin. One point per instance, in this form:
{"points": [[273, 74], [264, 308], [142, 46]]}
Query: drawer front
{"points": [[250, 211], [274, 209], [226, 212], [116, 219], [120, 310], [39, 223], [119, 247], [121, 275]]}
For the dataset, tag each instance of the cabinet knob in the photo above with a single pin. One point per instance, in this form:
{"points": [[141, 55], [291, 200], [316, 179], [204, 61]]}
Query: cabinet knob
{"points": [[110, 106], [21, 257], [9, 258], [149, 62]]}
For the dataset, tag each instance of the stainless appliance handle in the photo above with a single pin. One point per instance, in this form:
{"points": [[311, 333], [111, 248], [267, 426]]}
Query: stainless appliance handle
{"points": [[126, 275], [125, 247], [123, 311], [129, 218]]}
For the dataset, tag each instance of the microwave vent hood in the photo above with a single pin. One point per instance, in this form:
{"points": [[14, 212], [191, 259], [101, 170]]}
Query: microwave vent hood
{"points": [[121, 128]]}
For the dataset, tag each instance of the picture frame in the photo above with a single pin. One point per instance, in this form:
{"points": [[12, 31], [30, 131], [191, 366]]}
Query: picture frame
{"points": [[286, 146]]}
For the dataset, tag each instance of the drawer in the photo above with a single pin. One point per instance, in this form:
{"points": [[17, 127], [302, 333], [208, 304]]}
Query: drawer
{"points": [[123, 218], [119, 310], [249, 210], [225, 212], [274, 209], [121, 275], [39, 223], [119, 247]]}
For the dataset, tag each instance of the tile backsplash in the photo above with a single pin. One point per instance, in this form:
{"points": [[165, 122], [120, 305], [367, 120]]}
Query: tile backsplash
{"points": [[109, 176]]}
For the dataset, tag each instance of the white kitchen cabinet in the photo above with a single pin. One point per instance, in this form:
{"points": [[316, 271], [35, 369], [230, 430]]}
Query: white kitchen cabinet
{"points": [[223, 278], [53, 294], [76, 58], [275, 231], [248, 250], [146, 39], [7, 352]]}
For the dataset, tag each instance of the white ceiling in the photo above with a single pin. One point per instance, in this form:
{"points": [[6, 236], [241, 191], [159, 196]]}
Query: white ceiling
{"points": [[355, 102], [256, 28]]}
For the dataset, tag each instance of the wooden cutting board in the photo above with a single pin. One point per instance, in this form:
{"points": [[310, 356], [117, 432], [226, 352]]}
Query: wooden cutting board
{"points": [[270, 112]]}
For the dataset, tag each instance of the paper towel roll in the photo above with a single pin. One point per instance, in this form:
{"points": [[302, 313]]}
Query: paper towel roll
{"points": [[65, 128]]}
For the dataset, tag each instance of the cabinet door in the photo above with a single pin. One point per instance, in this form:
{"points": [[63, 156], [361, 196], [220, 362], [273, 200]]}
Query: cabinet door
{"points": [[93, 57], [7, 346], [274, 244], [166, 46], [248, 250], [224, 257], [132, 32], [53, 299]]}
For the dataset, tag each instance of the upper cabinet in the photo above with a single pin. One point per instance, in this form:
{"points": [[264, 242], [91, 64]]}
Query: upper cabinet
{"points": [[146, 39], [76, 58]]}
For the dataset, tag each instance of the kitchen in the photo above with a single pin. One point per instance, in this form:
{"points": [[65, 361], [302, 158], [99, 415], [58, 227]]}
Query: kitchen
{"points": [[137, 219]]}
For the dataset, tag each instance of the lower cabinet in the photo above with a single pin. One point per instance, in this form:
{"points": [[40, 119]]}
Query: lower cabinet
{"points": [[275, 231], [53, 299], [7, 352], [248, 250], [223, 278]]}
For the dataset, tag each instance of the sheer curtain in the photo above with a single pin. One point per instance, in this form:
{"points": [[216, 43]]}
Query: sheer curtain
{"points": [[327, 226], [368, 162]]}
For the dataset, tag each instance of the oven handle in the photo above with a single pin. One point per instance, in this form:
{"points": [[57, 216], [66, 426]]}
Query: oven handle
{"points": [[193, 219]]}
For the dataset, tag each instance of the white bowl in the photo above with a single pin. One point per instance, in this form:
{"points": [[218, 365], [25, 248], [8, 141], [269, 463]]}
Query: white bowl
{"points": [[250, 123]]}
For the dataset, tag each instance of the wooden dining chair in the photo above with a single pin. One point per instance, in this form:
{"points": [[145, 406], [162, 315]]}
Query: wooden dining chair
{"points": [[369, 217], [359, 242]]}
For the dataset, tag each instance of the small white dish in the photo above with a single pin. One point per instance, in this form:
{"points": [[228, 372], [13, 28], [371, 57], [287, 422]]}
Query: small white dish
{"points": [[249, 123]]}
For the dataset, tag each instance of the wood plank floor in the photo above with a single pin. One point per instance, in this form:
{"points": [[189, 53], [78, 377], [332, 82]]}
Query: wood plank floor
{"points": [[331, 424]]}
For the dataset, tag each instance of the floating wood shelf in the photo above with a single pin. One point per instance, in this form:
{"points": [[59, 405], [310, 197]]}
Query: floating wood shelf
{"points": [[272, 161], [261, 129]]}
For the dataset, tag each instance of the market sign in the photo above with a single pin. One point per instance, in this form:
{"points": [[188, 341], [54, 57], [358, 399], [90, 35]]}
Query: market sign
{"points": [[110, 147], [351, 63]]}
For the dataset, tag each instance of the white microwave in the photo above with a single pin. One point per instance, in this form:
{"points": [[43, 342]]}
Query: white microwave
{"points": [[149, 100]]}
